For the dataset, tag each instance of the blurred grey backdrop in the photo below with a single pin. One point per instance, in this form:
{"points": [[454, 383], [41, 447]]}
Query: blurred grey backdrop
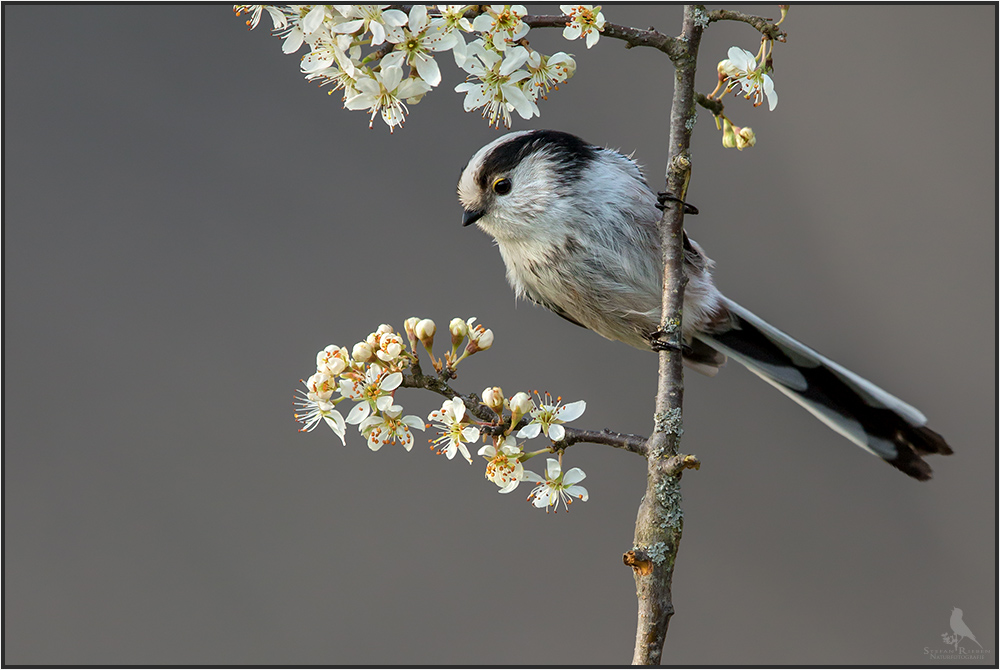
{"points": [[187, 221]]}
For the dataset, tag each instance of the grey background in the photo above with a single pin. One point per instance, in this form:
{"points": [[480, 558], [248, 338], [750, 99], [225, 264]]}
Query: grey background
{"points": [[187, 221]]}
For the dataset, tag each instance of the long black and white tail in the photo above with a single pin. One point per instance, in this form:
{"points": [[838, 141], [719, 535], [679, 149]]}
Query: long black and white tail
{"points": [[854, 407]]}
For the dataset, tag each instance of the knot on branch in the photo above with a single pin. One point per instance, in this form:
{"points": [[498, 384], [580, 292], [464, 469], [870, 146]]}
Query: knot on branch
{"points": [[681, 462], [638, 561]]}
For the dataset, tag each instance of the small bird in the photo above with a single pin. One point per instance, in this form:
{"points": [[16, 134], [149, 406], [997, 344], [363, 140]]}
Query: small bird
{"points": [[959, 628], [577, 227]]}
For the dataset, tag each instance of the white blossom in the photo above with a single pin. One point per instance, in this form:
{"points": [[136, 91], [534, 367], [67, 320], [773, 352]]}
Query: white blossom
{"points": [[585, 21], [504, 468], [556, 487], [548, 418], [546, 72], [332, 360], [314, 407], [455, 432], [373, 393], [501, 25], [381, 23], [383, 92], [497, 91], [388, 426], [742, 69], [421, 37]]}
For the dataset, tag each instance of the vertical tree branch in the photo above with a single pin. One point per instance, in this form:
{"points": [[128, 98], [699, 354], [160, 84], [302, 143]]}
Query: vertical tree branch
{"points": [[659, 521]]}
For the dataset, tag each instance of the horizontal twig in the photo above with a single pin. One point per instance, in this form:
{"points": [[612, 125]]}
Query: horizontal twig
{"points": [[711, 104], [763, 26], [633, 37], [474, 405]]}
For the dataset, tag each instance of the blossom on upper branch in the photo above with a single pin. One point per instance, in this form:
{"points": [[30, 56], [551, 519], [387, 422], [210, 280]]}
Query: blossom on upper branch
{"points": [[741, 68], [556, 486], [382, 24], [497, 92], [585, 21], [501, 25], [384, 92], [547, 72], [420, 37]]}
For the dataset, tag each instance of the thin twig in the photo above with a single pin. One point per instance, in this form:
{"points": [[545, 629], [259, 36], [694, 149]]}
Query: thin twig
{"points": [[764, 26], [633, 37], [474, 405]]}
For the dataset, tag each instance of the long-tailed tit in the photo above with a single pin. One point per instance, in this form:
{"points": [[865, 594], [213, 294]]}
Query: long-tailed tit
{"points": [[577, 228]]}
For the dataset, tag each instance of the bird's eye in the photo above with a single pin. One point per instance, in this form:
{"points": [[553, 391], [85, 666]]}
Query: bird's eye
{"points": [[502, 186]]}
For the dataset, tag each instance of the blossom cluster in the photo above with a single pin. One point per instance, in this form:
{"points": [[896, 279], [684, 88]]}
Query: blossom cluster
{"points": [[370, 373], [362, 50]]}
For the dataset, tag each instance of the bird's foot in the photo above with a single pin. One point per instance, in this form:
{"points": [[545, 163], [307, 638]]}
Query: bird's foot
{"points": [[665, 196], [658, 342]]}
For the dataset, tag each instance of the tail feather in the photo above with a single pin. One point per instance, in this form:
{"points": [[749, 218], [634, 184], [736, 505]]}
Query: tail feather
{"points": [[865, 414]]}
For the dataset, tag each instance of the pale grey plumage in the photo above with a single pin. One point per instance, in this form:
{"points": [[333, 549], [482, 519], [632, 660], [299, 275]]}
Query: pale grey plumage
{"points": [[577, 228]]}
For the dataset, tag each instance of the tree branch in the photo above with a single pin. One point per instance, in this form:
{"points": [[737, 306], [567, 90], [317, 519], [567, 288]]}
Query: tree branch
{"points": [[659, 521], [474, 405], [633, 37], [763, 26], [713, 105]]}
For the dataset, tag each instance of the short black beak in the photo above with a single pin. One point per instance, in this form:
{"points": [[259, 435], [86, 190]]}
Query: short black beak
{"points": [[472, 215]]}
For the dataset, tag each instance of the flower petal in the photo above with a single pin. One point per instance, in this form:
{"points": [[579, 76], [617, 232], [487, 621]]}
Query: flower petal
{"points": [[572, 476], [391, 382], [359, 413], [571, 411], [530, 431]]}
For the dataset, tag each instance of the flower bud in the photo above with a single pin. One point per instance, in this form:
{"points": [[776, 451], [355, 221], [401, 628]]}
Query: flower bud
{"points": [[745, 138], [362, 352], [493, 398], [728, 134], [459, 330], [521, 403], [485, 340], [410, 328], [425, 329], [321, 386]]}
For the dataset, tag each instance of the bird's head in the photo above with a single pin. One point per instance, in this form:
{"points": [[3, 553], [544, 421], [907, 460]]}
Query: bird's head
{"points": [[513, 187]]}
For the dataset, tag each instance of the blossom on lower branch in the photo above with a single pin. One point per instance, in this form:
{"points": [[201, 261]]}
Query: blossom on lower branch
{"points": [[455, 432], [373, 370]]}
